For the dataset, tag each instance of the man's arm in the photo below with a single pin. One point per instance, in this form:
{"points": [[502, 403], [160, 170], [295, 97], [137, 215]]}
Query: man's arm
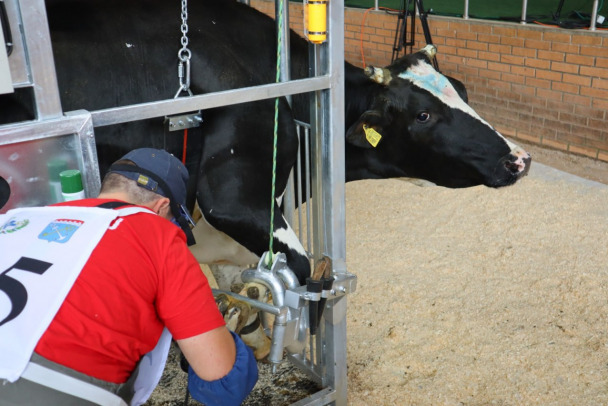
{"points": [[211, 355], [222, 368]]}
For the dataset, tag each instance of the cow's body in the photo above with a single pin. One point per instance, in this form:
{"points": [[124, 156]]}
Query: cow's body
{"points": [[112, 53]]}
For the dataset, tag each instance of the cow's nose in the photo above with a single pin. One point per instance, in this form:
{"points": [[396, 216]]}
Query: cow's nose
{"points": [[519, 162]]}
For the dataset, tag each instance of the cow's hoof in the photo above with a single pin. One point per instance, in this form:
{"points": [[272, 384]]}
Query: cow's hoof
{"points": [[237, 287], [237, 315], [223, 303]]}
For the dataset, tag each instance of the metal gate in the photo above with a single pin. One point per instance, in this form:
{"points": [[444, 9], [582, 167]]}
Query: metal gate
{"points": [[68, 138]]}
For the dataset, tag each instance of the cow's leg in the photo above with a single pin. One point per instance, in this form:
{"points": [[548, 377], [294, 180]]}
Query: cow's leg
{"points": [[234, 179], [286, 241], [216, 247], [252, 234]]}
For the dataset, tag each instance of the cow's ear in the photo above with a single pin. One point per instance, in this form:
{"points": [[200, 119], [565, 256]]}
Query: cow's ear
{"points": [[367, 131]]}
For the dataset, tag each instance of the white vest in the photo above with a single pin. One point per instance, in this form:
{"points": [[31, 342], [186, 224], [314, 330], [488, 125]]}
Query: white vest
{"points": [[42, 251]]}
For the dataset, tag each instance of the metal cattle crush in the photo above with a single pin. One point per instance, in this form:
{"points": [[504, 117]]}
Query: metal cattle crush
{"points": [[71, 135]]}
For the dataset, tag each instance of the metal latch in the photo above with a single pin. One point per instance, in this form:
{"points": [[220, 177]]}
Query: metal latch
{"points": [[183, 121]]}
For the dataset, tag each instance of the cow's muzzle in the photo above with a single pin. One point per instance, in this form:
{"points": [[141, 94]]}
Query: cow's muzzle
{"points": [[518, 162]]}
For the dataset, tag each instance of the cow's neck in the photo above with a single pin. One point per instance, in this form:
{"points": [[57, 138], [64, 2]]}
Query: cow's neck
{"points": [[361, 163], [359, 92]]}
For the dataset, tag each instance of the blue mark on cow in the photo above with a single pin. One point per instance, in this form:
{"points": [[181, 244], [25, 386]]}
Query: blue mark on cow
{"points": [[60, 230], [433, 82], [426, 77]]}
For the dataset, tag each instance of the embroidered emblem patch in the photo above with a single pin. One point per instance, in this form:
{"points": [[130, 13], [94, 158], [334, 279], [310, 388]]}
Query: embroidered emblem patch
{"points": [[13, 225], [60, 230]]}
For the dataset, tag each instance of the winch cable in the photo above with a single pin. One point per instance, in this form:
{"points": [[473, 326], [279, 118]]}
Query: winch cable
{"points": [[269, 257]]}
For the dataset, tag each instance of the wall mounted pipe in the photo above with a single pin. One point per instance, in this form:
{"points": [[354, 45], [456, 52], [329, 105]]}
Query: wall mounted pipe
{"points": [[592, 24]]}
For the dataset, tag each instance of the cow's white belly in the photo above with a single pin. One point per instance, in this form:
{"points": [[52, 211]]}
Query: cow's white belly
{"points": [[226, 257], [215, 247]]}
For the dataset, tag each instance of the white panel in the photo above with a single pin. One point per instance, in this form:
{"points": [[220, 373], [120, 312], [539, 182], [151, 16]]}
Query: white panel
{"points": [[6, 83]]}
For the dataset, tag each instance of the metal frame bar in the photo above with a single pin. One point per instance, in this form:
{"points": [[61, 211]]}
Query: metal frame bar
{"points": [[323, 397], [39, 53], [166, 107], [524, 13], [333, 159], [327, 135], [78, 123], [592, 24], [330, 171], [327, 353]]}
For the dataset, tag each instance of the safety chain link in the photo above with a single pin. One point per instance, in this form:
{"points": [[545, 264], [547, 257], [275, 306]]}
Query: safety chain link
{"points": [[184, 54]]}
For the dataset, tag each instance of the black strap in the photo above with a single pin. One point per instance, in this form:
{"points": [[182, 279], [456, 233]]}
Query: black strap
{"points": [[113, 205], [6, 29], [250, 328], [5, 191]]}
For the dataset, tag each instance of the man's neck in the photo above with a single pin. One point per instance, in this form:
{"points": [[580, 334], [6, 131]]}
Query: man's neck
{"points": [[114, 196], [156, 205]]}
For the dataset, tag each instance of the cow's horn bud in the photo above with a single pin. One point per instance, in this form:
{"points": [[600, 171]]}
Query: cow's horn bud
{"points": [[378, 75], [430, 51]]}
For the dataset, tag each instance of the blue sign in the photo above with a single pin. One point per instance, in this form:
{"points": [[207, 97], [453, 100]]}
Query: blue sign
{"points": [[60, 230]]}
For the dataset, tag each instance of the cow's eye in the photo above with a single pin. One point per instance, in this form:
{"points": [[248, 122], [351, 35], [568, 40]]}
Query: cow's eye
{"points": [[423, 117]]}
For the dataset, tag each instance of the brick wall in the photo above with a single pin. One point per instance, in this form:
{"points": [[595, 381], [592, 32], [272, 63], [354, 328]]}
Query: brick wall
{"points": [[539, 84]]}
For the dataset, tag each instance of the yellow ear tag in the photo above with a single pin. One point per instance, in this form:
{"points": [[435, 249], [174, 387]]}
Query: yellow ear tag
{"points": [[372, 136]]}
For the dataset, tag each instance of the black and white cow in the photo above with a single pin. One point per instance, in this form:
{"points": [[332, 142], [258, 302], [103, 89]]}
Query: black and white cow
{"points": [[112, 52]]}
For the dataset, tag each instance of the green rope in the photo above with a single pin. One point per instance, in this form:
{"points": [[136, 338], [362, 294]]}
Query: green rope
{"points": [[276, 137]]}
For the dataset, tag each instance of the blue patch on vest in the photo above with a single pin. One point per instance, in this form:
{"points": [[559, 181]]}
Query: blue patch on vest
{"points": [[60, 230]]}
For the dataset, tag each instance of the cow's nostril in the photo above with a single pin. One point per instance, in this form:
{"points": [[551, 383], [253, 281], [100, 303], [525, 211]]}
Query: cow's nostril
{"points": [[527, 163], [514, 166]]}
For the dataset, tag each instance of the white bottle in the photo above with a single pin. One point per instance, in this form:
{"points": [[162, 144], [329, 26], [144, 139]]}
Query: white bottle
{"points": [[71, 185]]}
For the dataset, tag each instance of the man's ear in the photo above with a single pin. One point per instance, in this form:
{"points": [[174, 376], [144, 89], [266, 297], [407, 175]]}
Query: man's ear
{"points": [[161, 206]]}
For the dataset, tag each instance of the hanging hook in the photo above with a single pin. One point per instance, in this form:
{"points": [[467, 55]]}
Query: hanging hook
{"points": [[183, 73]]}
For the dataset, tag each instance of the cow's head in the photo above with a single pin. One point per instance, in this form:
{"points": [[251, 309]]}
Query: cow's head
{"points": [[419, 125]]}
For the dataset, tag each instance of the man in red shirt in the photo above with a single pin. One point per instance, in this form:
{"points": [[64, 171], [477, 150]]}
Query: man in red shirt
{"points": [[140, 279]]}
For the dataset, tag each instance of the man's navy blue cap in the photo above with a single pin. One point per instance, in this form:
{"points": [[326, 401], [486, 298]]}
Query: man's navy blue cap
{"points": [[162, 164], [162, 173]]}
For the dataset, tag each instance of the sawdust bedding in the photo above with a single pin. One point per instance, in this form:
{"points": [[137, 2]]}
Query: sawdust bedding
{"points": [[467, 297]]}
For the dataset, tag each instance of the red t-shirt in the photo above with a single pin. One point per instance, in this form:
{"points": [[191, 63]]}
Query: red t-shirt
{"points": [[140, 278]]}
